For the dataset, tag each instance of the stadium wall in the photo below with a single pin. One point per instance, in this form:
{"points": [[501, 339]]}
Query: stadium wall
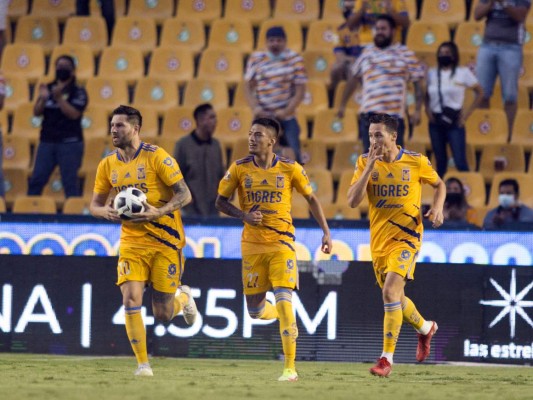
{"points": [[70, 305]]}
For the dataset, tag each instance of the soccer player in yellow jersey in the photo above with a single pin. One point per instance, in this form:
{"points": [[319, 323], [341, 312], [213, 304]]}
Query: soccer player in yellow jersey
{"points": [[151, 243], [264, 183], [392, 178]]}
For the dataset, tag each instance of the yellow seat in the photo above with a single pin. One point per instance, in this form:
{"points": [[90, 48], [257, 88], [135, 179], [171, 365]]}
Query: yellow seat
{"points": [[420, 134], [16, 152], [178, 122], [322, 184], [122, 62], [34, 205], [496, 100], [150, 129], [233, 124], [469, 35], [239, 150], [449, 12], [159, 10], [239, 96], [204, 11], [427, 36], [54, 188], [299, 206], [183, 32], [17, 92], [353, 103], [138, 32], [90, 31], [468, 59], [17, 9], [318, 64], [322, 35], [25, 124], [524, 184], [24, 60], [60, 9], [303, 11], [428, 59], [314, 155], [345, 157], [4, 123], [107, 92], [167, 143], [315, 99], [523, 130], [172, 63], [474, 186], [526, 76], [342, 191], [254, 11], [332, 11], [76, 206], [120, 7], [95, 122], [528, 39], [15, 184], [43, 31], [95, 150], [232, 33], [83, 57], [292, 28], [332, 130], [212, 91], [226, 65], [501, 158], [2, 205], [157, 93], [341, 212], [486, 126]]}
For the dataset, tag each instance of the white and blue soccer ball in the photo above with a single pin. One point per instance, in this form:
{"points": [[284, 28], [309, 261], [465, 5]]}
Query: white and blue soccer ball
{"points": [[129, 202]]}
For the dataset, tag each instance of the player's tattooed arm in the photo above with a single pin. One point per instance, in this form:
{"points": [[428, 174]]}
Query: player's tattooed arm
{"points": [[254, 217]]}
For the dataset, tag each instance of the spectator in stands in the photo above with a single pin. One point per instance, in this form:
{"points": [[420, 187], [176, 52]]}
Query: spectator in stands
{"points": [[366, 15], [347, 49], [3, 131], [510, 210], [275, 85], [446, 86], [108, 12], [500, 54], [385, 69], [61, 103], [456, 208], [199, 156]]}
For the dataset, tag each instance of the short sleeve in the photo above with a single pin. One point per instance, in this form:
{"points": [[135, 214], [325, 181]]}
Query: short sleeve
{"points": [[427, 174], [229, 182], [166, 167], [300, 180], [300, 75], [102, 185], [414, 67], [357, 67], [468, 78], [79, 100], [251, 67]]}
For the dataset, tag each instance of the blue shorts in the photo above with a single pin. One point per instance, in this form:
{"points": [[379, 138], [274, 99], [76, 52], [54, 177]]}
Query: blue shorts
{"points": [[503, 60]]}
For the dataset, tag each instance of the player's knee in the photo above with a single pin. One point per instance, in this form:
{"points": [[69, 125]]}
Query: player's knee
{"points": [[390, 295], [256, 313], [163, 314]]}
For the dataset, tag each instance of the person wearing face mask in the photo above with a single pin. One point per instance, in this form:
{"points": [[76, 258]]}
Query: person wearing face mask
{"points": [[61, 104], [456, 207], [510, 210], [446, 85], [384, 68], [275, 82]]}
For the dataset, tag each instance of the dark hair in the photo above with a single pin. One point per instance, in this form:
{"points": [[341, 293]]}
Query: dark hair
{"points": [[70, 59], [390, 122], [455, 54], [134, 116], [388, 18], [510, 182], [201, 110], [462, 188], [268, 123]]}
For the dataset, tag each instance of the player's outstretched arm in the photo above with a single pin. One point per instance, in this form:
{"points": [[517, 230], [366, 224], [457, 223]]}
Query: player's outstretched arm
{"points": [[318, 214], [100, 209], [435, 213]]}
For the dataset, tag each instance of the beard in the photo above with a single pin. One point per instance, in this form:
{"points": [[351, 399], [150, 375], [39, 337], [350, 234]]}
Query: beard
{"points": [[382, 41]]}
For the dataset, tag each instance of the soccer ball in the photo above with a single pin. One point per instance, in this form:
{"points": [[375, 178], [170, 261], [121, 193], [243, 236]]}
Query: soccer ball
{"points": [[129, 202]]}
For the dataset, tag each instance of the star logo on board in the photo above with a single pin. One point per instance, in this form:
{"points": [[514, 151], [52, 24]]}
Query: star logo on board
{"points": [[512, 303]]}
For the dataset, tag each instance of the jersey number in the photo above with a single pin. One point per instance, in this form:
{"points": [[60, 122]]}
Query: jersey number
{"points": [[252, 279]]}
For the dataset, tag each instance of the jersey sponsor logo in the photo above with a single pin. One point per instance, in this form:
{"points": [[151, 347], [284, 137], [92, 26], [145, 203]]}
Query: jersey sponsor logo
{"points": [[390, 190], [248, 181], [114, 177], [263, 196], [406, 174], [140, 186], [375, 175], [280, 181], [383, 204]]}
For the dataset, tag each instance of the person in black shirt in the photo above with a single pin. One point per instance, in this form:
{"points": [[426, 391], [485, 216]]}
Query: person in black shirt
{"points": [[61, 104]]}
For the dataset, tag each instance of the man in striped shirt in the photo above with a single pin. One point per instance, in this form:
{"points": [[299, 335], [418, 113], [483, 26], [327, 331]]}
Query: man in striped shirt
{"points": [[275, 85], [384, 69]]}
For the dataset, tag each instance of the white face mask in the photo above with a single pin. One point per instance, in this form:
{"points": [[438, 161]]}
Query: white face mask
{"points": [[506, 200]]}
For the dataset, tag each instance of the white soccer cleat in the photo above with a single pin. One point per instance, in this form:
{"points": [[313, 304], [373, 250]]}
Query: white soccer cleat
{"points": [[289, 375], [144, 370], [189, 310]]}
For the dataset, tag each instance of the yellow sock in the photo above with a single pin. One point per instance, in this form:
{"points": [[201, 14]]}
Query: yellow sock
{"points": [[179, 301], [287, 325], [269, 312], [136, 333], [392, 324], [411, 314]]}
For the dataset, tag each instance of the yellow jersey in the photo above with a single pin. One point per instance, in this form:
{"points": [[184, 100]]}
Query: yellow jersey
{"points": [[270, 192], [394, 194], [368, 20], [153, 171]]}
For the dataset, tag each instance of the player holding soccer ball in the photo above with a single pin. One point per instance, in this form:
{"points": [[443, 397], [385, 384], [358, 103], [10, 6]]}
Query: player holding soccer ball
{"points": [[392, 178], [264, 183], [151, 242]]}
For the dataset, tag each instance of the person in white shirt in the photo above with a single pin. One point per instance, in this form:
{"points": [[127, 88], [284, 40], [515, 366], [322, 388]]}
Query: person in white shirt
{"points": [[445, 108]]}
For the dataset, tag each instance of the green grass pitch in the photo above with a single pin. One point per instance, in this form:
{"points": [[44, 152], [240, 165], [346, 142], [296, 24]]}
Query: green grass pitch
{"points": [[32, 376]]}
